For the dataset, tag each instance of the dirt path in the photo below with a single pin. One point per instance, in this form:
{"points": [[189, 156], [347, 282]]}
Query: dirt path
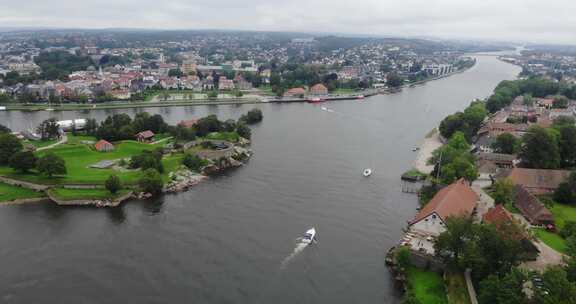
{"points": [[63, 140]]}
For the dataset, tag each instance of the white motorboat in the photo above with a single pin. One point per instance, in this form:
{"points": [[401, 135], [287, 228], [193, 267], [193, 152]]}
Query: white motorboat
{"points": [[367, 172], [309, 237]]}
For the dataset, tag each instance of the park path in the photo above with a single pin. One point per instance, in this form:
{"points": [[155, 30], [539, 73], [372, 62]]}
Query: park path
{"points": [[431, 143], [484, 204], [62, 140], [23, 184], [161, 140]]}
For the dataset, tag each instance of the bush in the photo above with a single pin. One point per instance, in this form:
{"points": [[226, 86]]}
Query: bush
{"points": [[151, 182], [193, 162], [253, 116], [113, 184], [243, 130]]}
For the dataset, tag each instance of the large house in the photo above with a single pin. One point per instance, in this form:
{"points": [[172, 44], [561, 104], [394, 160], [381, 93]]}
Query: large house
{"points": [[536, 181], [318, 90], [455, 200], [531, 207]]}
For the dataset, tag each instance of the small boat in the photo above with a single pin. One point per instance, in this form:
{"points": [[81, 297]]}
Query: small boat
{"points": [[310, 236], [49, 109], [315, 100], [415, 149], [367, 172], [360, 97]]}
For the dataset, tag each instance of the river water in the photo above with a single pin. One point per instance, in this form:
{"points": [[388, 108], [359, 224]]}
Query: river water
{"points": [[231, 239]]}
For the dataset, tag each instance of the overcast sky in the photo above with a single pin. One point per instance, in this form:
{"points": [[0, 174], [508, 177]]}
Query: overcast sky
{"points": [[520, 20]]}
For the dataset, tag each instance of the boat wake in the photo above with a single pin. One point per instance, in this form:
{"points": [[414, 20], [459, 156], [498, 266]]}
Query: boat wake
{"points": [[300, 246]]}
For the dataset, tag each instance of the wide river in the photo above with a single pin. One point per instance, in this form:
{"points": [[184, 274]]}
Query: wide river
{"points": [[231, 239]]}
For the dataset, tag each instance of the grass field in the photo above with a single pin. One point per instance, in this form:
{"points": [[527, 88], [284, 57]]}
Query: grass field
{"points": [[456, 289], [10, 193], [80, 194], [79, 157], [228, 136], [551, 239], [428, 286]]}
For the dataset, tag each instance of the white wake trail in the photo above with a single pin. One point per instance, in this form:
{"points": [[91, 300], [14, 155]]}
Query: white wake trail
{"points": [[297, 250]]}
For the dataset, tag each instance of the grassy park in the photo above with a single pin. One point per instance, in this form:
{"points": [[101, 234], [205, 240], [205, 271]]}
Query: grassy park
{"points": [[79, 157], [10, 193], [562, 213], [80, 194]]}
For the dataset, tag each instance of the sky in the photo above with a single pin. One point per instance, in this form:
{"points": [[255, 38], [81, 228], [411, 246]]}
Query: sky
{"points": [[550, 21]]}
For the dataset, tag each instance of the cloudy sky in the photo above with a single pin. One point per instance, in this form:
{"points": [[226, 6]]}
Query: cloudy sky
{"points": [[520, 20]]}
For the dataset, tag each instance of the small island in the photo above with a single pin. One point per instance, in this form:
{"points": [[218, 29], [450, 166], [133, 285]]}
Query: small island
{"points": [[103, 164]]}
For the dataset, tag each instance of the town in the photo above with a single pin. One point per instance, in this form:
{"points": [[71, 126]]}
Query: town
{"points": [[59, 68]]}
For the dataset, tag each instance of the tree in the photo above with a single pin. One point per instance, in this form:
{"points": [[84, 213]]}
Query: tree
{"points": [[540, 149], [567, 145], [564, 194], [49, 129], [4, 129], [207, 125], [505, 290], [506, 143], [528, 100], [243, 130], [91, 126], [113, 184], [23, 161], [460, 167], [403, 257], [560, 102], [503, 191], [394, 81], [451, 244], [253, 116], [9, 145], [175, 73], [151, 182], [559, 289], [51, 164]]}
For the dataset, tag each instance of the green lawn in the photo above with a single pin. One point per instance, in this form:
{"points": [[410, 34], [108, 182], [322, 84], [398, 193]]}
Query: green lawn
{"points": [[343, 91], [41, 143], [428, 286], [457, 289], [227, 136], [10, 193], [563, 213], [79, 157], [551, 239], [80, 194]]}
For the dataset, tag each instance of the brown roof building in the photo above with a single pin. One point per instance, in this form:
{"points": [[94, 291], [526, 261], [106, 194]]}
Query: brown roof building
{"points": [[188, 123], [536, 181], [145, 136], [531, 208]]}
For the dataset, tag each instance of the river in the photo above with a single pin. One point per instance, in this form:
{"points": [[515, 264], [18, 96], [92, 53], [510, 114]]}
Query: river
{"points": [[228, 239]]}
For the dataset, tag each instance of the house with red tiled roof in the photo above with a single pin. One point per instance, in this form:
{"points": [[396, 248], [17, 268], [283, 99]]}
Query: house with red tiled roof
{"points": [[457, 199], [103, 146], [188, 123], [145, 136], [318, 90]]}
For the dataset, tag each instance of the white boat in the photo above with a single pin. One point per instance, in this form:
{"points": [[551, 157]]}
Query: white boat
{"points": [[367, 172], [309, 237]]}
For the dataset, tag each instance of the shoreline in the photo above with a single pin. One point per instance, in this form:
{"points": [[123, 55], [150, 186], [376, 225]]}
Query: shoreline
{"points": [[207, 102]]}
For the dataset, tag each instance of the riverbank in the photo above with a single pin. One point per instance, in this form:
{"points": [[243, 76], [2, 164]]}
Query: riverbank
{"points": [[154, 102], [431, 142]]}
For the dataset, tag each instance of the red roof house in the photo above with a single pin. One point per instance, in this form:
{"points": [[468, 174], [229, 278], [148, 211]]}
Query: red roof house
{"points": [[295, 92], [318, 89], [103, 146], [457, 199], [536, 181]]}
